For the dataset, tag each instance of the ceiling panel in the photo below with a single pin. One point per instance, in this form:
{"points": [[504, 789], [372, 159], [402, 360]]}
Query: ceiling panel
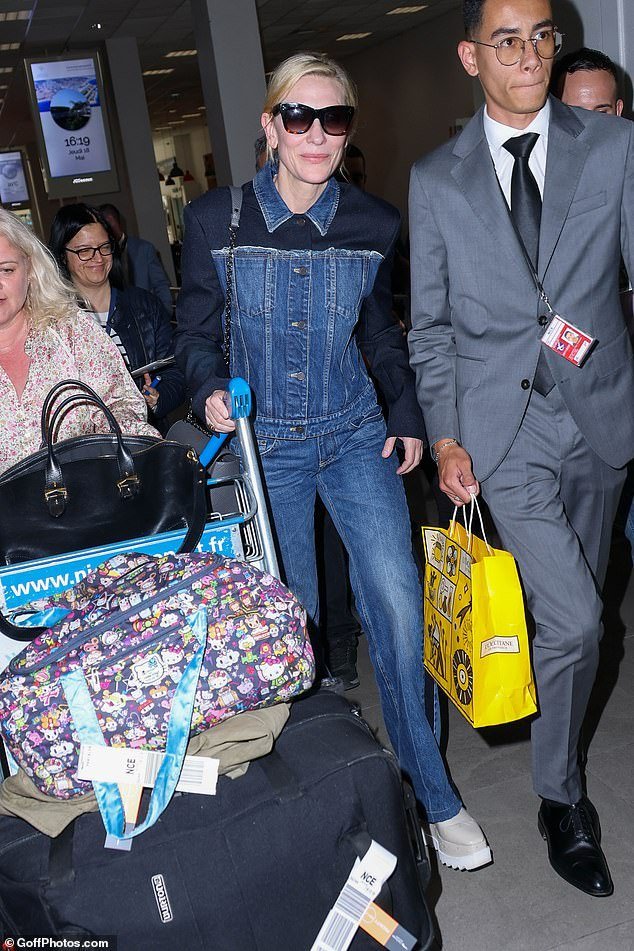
{"points": [[160, 26]]}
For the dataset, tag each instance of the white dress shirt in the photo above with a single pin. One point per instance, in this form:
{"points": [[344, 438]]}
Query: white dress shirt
{"points": [[497, 134]]}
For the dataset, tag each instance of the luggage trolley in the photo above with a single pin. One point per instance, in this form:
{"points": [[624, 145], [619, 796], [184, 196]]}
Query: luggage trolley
{"points": [[237, 526]]}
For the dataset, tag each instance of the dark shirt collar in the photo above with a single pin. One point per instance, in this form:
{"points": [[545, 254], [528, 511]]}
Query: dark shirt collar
{"points": [[275, 210]]}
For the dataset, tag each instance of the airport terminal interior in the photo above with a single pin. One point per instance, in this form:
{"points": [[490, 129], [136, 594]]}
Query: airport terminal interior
{"points": [[148, 104]]}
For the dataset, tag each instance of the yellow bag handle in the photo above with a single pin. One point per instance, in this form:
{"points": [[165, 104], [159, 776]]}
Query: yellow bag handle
{"points": [[469, 527]]}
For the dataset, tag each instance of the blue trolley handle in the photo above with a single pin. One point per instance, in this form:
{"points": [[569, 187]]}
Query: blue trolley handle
{"points": [[239, 406]]}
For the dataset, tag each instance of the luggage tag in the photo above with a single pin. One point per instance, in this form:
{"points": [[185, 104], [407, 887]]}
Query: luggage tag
{"points": [[364, 883], [384, 929], [134, 769], [568, 341]]}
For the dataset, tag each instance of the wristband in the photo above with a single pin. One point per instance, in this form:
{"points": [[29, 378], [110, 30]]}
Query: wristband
{"points": [[436, 452]]}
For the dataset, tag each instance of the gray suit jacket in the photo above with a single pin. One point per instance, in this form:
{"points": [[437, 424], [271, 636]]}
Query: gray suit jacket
{"points": [[475, 334]]}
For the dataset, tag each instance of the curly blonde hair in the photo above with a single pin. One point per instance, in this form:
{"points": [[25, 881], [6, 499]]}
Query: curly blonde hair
{"points": [[49, 297], [291, 70]]}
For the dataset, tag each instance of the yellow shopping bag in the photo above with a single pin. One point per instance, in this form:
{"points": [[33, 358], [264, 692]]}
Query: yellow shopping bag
{"points": [[476, 645]]}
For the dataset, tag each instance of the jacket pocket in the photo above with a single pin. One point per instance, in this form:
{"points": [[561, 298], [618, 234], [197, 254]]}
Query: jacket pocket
{"points": [[469, 372], [581, 205], [254, 282], [345, 282], [612, 356]]}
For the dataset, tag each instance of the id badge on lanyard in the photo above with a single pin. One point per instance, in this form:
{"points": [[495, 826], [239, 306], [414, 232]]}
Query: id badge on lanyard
{"points": [[568, 341]]}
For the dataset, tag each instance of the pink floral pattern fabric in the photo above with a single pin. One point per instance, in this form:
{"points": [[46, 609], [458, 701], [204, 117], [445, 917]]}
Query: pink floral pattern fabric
{"points": [[70, 349]]}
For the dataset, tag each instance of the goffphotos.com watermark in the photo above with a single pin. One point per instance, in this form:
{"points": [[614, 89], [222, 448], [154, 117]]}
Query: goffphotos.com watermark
{"points": [[60, 943]]}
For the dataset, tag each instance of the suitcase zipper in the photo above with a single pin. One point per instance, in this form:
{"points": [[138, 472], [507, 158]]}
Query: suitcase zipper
{"points": [[110, 622]]}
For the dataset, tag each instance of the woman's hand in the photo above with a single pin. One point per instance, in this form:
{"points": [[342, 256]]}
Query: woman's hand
{"points": [[413, 452], [150, 394], [216, 412]]}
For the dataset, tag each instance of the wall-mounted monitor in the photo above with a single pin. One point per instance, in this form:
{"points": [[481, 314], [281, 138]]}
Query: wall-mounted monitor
{"points": [[67, 96], [14, 191]]}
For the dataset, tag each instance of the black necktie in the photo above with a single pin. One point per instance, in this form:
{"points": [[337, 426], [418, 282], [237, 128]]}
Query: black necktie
{"points": [[526, 202], [526, 212]]}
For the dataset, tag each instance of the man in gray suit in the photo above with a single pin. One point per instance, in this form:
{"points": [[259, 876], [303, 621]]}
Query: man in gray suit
{"points": [[524, 214]]}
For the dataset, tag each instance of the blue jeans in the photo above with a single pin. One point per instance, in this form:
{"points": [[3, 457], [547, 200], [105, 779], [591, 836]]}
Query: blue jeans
{"points": [[367, 503]]}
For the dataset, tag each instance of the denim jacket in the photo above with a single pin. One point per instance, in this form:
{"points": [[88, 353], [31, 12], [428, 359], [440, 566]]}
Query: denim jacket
{"points": [[308, 292]]}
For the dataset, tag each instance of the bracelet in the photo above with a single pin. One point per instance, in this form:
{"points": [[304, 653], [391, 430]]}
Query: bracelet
{"points": [[436, 452]]}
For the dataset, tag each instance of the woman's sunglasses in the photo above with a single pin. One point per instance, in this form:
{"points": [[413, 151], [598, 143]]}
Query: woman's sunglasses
{"points": [[298, 118]]}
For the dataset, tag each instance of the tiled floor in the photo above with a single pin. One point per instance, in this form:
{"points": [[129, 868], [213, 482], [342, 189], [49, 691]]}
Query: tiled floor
{"points": [[518, 903]]}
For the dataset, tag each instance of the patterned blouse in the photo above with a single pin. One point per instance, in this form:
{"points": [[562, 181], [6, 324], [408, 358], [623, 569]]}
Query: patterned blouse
{"points": [[78, 349]]}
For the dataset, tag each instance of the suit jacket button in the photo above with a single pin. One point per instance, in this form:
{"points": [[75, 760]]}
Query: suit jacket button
{"points": [[526, 384]]}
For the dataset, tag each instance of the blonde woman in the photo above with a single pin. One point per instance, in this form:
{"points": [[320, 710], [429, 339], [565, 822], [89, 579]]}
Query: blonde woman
{"points": [[310, 295], [43, 339]]}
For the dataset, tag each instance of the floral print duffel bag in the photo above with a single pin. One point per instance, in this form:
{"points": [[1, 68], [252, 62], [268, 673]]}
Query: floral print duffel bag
{"points": [[128, 628]]}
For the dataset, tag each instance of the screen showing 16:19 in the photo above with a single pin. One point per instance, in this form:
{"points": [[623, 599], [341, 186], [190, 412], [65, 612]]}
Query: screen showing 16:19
{"points": [[70, 113]]}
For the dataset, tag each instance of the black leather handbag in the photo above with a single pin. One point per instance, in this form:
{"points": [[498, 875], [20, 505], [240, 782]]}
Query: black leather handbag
{"points": [[97, 489]]}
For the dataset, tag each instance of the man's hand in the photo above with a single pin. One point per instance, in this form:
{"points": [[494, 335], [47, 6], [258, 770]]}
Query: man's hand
{"points": [[413, 452], [216, 412], [455, 474]]}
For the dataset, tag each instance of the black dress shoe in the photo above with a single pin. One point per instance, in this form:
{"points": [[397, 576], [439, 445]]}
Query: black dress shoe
{"points": [[573, 835]]}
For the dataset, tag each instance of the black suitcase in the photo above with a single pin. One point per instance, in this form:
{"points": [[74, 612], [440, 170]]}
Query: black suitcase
{"points": [[255, 868]]}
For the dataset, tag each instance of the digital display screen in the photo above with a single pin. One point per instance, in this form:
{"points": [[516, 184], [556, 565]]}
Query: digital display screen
{"points": [[13, 188], [68, 97]]}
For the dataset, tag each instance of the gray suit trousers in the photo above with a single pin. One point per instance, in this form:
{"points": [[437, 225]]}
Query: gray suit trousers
{"points": [[553, 501]]}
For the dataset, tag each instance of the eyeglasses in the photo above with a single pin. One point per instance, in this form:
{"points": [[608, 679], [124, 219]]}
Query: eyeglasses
{"points": [[510, 50], [298, 118], [87, 254]]}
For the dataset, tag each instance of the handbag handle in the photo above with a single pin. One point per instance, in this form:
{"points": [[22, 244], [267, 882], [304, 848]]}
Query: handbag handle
{"points": [[87, 727], [53, 394], [55, 492]]}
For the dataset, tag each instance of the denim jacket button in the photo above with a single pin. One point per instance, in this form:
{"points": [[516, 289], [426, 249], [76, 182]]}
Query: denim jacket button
{"points": [[300, 324], [300, 221], [302, 271], [297, 429], [297, 376]]}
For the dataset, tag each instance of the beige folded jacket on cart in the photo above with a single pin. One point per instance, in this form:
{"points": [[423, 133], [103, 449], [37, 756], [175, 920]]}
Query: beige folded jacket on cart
{"points": [[235, 742]]}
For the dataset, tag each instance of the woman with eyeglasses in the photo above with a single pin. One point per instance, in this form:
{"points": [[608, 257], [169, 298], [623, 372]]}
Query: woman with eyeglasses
{"points": [[88, 255], [310, 296], [43, 340]]}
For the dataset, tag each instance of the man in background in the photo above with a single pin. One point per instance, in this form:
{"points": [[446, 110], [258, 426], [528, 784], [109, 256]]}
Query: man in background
{"points": [[589, 79], [140, 258]]}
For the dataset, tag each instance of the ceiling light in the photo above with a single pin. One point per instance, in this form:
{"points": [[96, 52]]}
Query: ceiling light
{"points": [[201, 108], [176, 171], [95, 26], [191, 115], [182, 53], [5, 47], [162, 128], [157, 72], [175, 121], [6, 69], [406, 9], [353, 36], [15, 15]]}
